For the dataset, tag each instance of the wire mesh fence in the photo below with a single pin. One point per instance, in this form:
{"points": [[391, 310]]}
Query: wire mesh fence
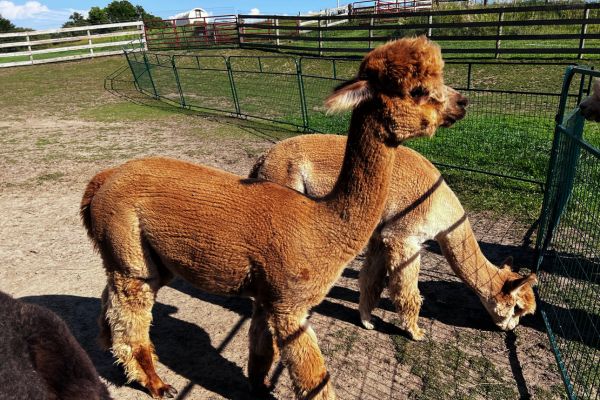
{"points": [[291, 91], [569, 248]]}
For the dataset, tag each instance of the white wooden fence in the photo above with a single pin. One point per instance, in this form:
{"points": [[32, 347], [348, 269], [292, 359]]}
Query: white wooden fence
{"points": [[25, 43]]}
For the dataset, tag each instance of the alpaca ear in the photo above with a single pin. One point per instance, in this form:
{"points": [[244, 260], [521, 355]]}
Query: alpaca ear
{"points": [[596, 89], [348, 95], [513, 286]]}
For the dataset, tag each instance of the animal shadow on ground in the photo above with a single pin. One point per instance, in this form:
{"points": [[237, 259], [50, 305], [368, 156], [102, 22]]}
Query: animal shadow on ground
{"points": [[183, 347]]}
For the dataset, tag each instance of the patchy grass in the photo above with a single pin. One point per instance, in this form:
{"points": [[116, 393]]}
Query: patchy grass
{"points": [[448, 371], [127, 111], [53, 176], [343, 340]]}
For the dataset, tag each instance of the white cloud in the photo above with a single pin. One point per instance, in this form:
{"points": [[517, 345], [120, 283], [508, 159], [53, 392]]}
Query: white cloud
{"points": [[30, 9], [255, 11], [33, 14]]}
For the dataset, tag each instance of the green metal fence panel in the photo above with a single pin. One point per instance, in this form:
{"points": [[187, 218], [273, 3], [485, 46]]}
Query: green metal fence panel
{"points": [[205, 82], [163, 76], [268, 87], [569, 249], [320, 76], [139, 70]]}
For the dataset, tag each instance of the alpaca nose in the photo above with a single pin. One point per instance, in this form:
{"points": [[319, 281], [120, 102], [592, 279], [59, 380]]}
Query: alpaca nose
{"points": [[462, 101]]}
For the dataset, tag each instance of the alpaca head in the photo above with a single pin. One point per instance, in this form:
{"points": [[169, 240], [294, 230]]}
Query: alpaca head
{"points": [[403, 81], [514, 300], [590, 107]]}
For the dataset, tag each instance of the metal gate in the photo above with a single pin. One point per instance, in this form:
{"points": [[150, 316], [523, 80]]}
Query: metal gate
{"points": [[568, 244]]}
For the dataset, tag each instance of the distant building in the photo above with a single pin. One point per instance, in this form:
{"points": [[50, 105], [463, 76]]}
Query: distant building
{"points": [[196, 15]]}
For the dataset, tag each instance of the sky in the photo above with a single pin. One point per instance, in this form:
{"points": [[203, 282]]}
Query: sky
{"points": [[48, 14]]}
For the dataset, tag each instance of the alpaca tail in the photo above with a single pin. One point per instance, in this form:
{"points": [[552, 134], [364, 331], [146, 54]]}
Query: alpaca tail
{"points": [[90, 191], [254, 172]]}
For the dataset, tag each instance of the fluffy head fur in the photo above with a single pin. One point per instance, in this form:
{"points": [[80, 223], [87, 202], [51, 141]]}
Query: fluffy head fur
{"points": [[405, 78], [514, 300], [590, 107]]}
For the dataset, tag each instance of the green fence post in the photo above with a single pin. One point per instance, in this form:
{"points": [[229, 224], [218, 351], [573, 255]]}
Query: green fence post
{"points": [[236, 101], [181, 96], [150, 76], [302, 94], [549, 200]]}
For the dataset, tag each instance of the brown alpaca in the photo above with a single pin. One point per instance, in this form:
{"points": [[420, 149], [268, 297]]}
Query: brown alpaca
{"points": [[155, 218], [420, 207], [590, 107]]}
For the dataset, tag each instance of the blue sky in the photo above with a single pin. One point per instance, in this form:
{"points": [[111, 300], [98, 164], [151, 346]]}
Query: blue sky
{"points": [[41, 14]]}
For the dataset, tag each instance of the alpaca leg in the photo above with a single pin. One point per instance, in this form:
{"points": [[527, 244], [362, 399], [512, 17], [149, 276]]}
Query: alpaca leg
{"points": [[302, 357], [128, 312], [371, 281], [262, 350], [104, 337], [403, 287]]}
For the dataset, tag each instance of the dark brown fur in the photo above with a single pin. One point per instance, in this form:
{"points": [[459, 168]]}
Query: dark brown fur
{"points": [[40, 358]]}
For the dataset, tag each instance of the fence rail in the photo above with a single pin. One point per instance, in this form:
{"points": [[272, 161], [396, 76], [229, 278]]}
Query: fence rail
{"points": [[569, 30], [24, 50]]}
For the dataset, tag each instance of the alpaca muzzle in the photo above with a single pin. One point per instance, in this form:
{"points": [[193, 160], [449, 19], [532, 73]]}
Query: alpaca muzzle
{"points": [[456, 108]]}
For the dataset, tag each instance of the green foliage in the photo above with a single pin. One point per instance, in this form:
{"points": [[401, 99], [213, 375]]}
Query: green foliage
{"points": [[75, 19], [116, 11], [6, 25], [98, 16], [121, 11]]}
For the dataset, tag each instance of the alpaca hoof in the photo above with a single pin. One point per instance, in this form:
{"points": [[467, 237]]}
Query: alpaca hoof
{"points": [[417, 334], [367, 324], [167, 391]]}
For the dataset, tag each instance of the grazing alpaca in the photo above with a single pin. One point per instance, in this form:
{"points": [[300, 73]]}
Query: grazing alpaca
{"points": [[590, 107], [40, 358], [153, 218], [420, 207]]}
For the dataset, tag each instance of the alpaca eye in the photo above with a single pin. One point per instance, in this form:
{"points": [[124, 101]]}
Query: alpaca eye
{"points": [[418, 92]]}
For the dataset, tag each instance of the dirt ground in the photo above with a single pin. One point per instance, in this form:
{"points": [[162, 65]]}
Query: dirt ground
{"points": [[47, 158]]}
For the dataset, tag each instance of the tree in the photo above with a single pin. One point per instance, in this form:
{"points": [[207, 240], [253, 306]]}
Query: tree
{"points": [[98, 16], [6, 25], [145, 15], [75, 19], [121, 11]]}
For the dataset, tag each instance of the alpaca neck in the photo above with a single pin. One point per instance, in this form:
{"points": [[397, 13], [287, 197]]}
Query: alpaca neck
{"points": [[462, 251], [358, 198]]}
